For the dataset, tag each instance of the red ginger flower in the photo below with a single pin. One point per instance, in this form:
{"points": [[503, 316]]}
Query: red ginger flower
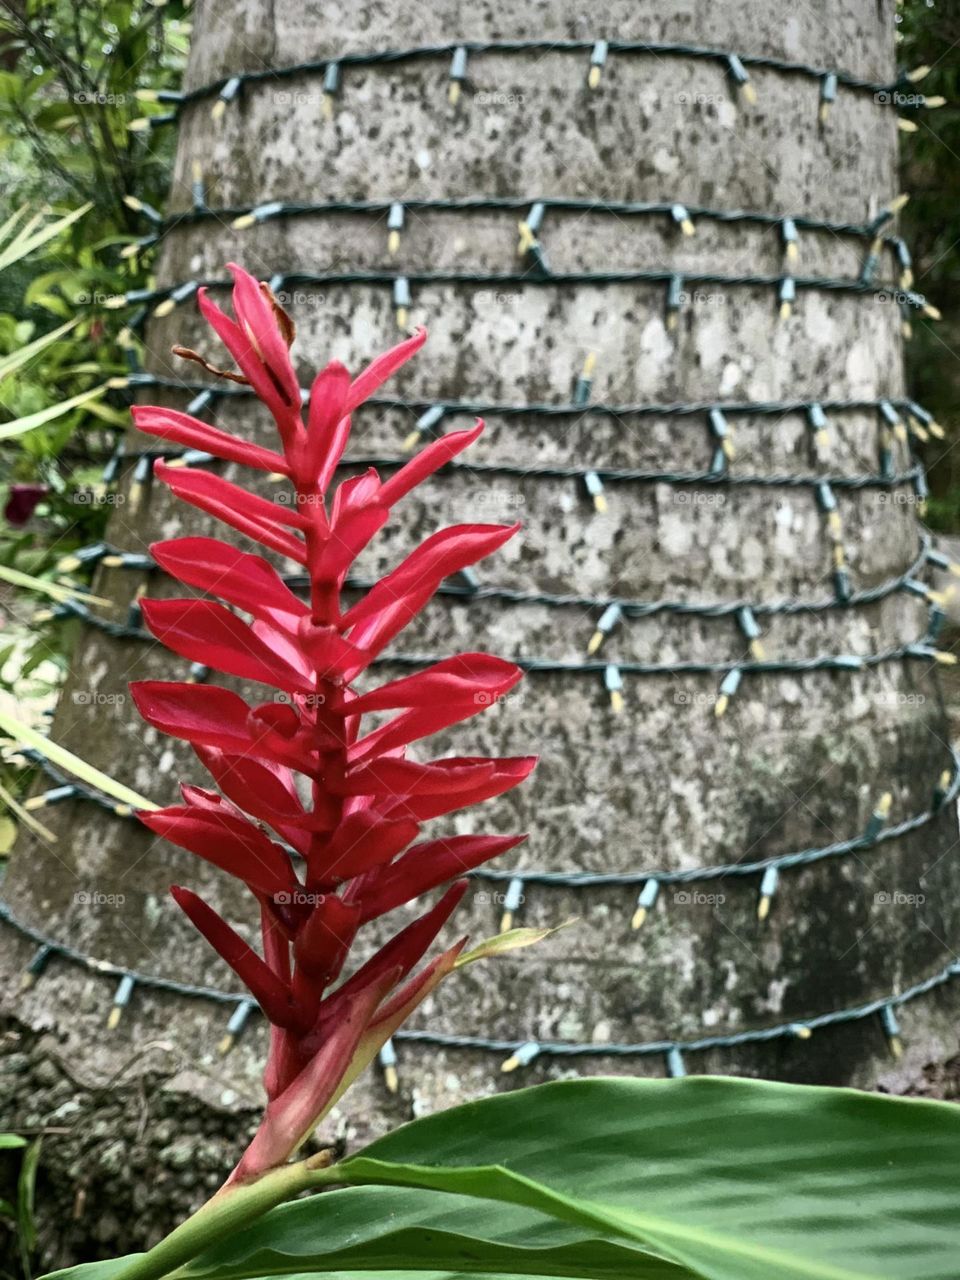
{"points": [[358, 835]]}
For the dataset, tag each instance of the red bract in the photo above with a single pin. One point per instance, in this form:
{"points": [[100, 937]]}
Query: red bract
{"points": [[355, 818]]}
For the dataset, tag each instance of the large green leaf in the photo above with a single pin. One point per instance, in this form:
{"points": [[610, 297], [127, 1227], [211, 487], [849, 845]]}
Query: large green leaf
{"points": [[733, 1179], [740, 1180], [357, 1230]]}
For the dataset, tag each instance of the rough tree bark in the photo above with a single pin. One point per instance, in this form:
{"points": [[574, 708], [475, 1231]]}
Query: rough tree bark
{"points": [[799, 760]]}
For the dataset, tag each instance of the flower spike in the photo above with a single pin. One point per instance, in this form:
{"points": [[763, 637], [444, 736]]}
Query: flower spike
{"points": [[320, 869]]}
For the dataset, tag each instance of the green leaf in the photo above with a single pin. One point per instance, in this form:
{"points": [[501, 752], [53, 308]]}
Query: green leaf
{"points": [[29, 737], [737, 1179], [17, 359], [43, 416], [25, 240], [11, 1141], [362, 1229], [58, 590], [693, 1179], [26, 1187]]}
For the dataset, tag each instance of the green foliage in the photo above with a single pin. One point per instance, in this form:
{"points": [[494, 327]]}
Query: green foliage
{"points": [[20, 1210], [930, 35], [69, 75], [618, 1179]]}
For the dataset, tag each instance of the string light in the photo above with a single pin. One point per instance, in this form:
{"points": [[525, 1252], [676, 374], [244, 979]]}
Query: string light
{"points": [[394, 227], [511, 903], [741, 78], [594, 487], [388, 1065], [331, 87], [787, 286], [788, 234], [598, 58], [828, 94], [525, 1051], [681, 216], [226, 96], [522, 1056], [891, 1029], [676, 1068], [529, 227], [768, 887], [238, 1020], [646, 901], [198, 193], [401, 301], [121, 999], [819, 426], [736, 64], [613, 682], [787, 296], [607, 621], [426, 424], [458, 73]]}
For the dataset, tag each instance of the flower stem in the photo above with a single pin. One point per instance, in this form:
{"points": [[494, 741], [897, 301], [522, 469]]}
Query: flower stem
{"points": [[225, 1213]]}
